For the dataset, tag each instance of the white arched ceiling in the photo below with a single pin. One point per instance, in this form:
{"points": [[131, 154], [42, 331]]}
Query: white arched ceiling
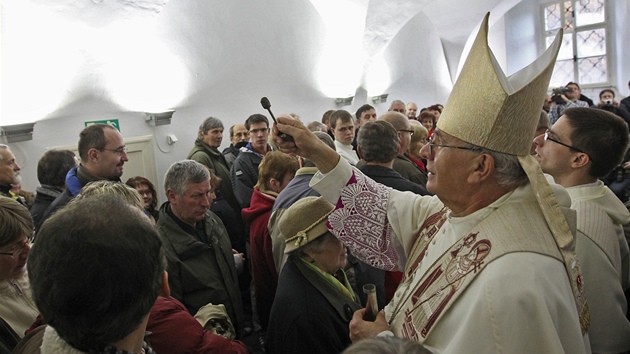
{"points": [[94, 57]]}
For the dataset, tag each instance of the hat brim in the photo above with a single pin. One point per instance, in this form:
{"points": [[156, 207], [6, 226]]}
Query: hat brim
{"points": [[312, 234]]}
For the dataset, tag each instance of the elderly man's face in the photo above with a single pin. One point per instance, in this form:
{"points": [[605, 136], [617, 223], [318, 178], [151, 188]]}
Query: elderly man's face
{"points": [[448, 168], [9, 169], [240, 134], [213, 137], [191, 207], [412, 109], [398, 107]]}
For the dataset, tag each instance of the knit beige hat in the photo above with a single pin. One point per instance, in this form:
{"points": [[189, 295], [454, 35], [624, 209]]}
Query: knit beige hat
{"points": [[500, 113], [304, 221]]}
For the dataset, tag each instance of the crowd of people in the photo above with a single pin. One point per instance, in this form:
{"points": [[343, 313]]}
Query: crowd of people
{"points": [[444, 209]]}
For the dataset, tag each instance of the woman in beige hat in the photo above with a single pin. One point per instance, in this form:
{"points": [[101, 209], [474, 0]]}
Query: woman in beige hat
{"points": [[314, 301]]}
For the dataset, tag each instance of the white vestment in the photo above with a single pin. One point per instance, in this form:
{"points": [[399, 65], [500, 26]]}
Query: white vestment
{"points": [[601, 246], [519, 302], [347, 153]]}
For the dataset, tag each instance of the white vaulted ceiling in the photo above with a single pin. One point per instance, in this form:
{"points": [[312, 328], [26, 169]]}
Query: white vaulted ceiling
{"points": [[66, 58]]}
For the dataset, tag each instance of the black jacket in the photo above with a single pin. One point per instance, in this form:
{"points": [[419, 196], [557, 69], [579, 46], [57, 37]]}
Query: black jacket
{"points": [[304, 320], [392, 179], [201, 271]]}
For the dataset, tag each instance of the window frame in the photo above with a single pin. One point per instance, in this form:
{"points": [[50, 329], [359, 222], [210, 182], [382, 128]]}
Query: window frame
{"points": [[605, 25]]}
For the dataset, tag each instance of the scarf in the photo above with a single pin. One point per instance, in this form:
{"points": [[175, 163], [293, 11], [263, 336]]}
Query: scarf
{"points": [[336, 283]]}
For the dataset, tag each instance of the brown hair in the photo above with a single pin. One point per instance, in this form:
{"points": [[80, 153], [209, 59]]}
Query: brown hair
{"points": [[275, 164], [138, 181]]}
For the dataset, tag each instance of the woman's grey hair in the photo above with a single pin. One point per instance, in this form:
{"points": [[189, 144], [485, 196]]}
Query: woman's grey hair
{"points": [[507, 168], [181, 173], [209, 124]]}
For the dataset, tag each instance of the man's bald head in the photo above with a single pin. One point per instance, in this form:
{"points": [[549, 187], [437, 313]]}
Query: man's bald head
{"points": [[400, 122]]}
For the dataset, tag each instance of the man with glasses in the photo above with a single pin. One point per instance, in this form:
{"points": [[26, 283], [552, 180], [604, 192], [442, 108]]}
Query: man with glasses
{"points": [[584, 145], [102, 154], [402, 164], [239, 137], [244, 171], [488, 262], [17, 307]]}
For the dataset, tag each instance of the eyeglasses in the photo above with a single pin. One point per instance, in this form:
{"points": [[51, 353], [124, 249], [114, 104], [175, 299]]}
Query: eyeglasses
{"points": [[406, 131], [432, 144], [18, 248], [547, 137], [121, 150]]}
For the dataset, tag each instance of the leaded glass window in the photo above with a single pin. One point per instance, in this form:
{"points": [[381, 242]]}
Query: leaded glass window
{"points": [[583, 54]]}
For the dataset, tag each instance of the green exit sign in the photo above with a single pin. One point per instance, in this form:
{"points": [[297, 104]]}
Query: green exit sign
{"points": [[113, 122]]}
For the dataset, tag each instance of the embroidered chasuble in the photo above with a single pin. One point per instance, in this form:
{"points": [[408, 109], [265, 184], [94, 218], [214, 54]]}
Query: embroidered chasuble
{"points": [[459, 271]]}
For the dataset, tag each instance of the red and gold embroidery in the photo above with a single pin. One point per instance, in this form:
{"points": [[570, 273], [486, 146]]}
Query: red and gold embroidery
{"points": [[441, 283], [428, 230]]}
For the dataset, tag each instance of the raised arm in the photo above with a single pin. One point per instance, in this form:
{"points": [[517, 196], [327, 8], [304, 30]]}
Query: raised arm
{"points": [[304, 144]]}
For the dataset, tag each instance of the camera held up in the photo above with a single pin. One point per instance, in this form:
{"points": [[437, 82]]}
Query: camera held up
{"points": [[557, 93]]}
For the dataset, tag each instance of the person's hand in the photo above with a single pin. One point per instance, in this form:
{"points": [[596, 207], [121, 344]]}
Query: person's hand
{"points": [[565, 98], [304, 144], [626, 165], [361, 329], [239, 260], [303, 139]]}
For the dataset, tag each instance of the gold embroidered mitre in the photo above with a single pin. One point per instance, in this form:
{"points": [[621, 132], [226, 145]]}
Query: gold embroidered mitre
{"points": [[493, 111]]}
